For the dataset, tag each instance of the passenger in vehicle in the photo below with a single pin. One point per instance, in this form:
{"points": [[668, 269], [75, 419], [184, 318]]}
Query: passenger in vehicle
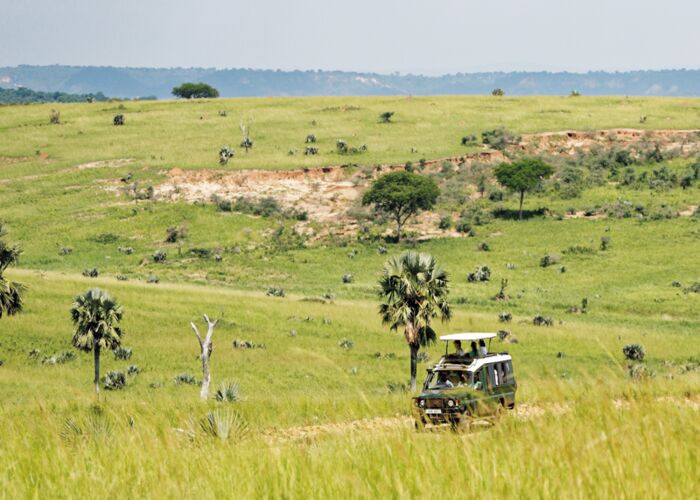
{"points": [[463, 380], [458, 348], [474, 353], [443, 381], [482, 348]]}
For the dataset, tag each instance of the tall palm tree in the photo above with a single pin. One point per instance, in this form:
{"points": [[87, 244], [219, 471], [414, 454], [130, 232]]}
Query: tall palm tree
{"points": [[96, 315], [10, 291], [415, 291]]}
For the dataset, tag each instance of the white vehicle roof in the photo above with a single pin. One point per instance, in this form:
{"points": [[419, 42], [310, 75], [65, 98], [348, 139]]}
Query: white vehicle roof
{"points": [[468, 336], [498, 358], [474, 365]]}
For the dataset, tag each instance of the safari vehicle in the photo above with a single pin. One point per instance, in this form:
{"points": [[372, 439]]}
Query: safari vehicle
{"points": [[461, 388]]}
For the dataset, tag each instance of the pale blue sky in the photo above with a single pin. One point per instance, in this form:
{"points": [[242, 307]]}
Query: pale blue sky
{"points": [[428, 36]]}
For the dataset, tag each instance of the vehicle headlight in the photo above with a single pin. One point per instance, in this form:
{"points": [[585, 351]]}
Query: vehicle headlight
{"points": [[422, 402], [450, 403]]}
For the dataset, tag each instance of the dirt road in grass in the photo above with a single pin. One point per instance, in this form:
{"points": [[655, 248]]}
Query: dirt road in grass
{"points": [[383, 424]]}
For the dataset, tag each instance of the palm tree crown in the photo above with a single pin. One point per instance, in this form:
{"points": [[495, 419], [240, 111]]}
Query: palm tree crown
{"points": [[95, 315], [10, 291], [415, 289]]}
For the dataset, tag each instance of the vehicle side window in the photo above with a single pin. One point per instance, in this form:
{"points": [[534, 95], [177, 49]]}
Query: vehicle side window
{"points": [[488, 375], [509, 371]]}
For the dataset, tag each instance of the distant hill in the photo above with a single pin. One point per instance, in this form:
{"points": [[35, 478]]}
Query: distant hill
{"points": [[139, 82]]}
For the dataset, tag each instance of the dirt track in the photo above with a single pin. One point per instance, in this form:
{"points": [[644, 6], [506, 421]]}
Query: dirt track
{"points": [[382, 424]]}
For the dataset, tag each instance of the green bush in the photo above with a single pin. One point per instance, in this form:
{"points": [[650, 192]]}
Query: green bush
{"points": [[114, 381], [160, 256], [634, 352], [499, 138], [185, 378], [480, 274], [228, 392], [122, 353]]}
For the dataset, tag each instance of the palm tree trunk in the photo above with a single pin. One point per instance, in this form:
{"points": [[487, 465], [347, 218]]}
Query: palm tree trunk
{"points": [[414, 364], [97, 368], [522, 195]]}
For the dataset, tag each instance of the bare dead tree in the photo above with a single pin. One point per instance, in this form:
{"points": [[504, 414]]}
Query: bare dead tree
{"points": [[206, 346]]}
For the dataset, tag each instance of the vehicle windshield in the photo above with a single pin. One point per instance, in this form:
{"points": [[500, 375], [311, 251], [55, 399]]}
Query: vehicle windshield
{"points": [[445, 379]]}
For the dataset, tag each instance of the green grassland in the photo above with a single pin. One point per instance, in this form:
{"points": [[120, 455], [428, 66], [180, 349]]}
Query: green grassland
{"points": [[592, 432]]}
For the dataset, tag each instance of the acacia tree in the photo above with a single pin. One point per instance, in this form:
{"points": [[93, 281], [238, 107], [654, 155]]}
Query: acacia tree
{"points": [[414, 289], [10, 291], [96, 315], [195, 91], [522, 176], [206, 346], [401, 195]]}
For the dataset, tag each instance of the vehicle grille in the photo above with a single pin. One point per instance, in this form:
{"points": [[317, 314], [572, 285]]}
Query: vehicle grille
{"points": [[435, 403]]}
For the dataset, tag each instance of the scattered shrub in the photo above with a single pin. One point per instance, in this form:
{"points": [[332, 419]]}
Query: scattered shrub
{"points": [[468, 139], [65, 251], [499, 138], [483, 247], [346, 344], [228, 392], [123, 353], [58, 359], [480, 274], [347, 278], [91, 272], [126, 250], [445, 222], [580, 250], [118, 120], [634, 352], [247, 143], [464, 227], [275, 291], [694, 288], [549, 260], [423, 357], [639, 371], [55, 117], [114, 381], [224, 425], [106, 238], [174, 234], [604, 243], [498, 92], [505, 317], [185, 378], [676, 284], [387, 355], [310, 139], [502, 292], [540, 320], [152, 278], [133, 370], [507, 337], [385, 117], [225, 154], [160, 256], [310, 151], [246, 344]]}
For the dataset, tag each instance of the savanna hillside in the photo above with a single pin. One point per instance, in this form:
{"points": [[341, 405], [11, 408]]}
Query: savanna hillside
{"points": [[606, 254]]}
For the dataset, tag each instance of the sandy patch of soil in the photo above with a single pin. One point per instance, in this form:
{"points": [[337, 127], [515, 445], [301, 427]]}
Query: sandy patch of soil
{"points": [[119, 162], [326, 194]]}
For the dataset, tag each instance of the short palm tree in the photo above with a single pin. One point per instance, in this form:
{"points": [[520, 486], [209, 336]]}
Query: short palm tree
{"points": [[415, 290], [10, 291], [96, 315]]}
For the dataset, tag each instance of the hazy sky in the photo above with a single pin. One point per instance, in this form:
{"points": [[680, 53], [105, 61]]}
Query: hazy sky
{"points": [[426, 36]]}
